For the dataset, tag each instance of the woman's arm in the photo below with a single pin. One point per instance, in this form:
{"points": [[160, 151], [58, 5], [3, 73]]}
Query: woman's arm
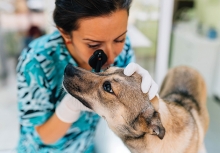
{"points": [[36, 102], [67, 112], [52, 130]]}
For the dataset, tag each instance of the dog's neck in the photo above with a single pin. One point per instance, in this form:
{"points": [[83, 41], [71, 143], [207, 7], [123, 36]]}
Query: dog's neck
{"points": [[151, 143], [141, 143]]}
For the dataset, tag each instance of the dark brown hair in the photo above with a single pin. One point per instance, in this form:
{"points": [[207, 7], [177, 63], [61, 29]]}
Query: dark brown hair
{"points": [[67, 13]]}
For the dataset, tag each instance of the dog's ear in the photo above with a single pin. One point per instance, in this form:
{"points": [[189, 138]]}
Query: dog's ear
{"points": [[155, 125], [155, 103], [150, 123]]}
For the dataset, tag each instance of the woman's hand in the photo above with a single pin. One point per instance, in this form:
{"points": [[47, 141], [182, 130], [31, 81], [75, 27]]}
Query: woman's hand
{"points": [[147, 85], [69, 109]]}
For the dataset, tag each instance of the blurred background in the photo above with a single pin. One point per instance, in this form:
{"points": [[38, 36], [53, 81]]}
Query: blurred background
{"points": [[163, 33]]}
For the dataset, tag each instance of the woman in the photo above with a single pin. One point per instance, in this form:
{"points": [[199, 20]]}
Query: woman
{"points": [[49, 121]]}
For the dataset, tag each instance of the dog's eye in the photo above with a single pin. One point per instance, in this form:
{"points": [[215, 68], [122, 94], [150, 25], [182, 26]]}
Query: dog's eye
{"points": [[107, 87]]}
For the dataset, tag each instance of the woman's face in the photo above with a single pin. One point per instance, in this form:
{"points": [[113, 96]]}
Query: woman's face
{"points": [[106, 32]]}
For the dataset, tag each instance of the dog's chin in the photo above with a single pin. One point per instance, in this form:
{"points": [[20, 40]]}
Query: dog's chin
{"points": [[85, 103], [65, 88]]}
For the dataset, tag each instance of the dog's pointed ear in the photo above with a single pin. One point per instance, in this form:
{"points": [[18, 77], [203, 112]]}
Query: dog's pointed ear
{"points": [[154, 124], [155, 103], [157, 130], [149, 121]]}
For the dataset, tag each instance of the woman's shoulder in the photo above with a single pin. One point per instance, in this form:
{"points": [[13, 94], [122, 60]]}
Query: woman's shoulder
{"points": [[47, 41], [43, 50], [44, 45]]}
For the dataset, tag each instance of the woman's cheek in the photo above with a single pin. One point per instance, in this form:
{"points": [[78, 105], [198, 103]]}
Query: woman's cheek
{"points": [[119, 49]]}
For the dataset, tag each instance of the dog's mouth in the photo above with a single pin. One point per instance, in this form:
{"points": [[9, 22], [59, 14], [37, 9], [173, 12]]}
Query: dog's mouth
{"points": [[82, 100], [74, 91]]}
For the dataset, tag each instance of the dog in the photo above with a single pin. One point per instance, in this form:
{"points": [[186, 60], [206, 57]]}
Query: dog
{"points": [[174, 123]]}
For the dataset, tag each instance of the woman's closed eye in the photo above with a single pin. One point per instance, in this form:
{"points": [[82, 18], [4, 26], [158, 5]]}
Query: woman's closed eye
{"points": [[120, 41], [98, 45], [94, 46]]}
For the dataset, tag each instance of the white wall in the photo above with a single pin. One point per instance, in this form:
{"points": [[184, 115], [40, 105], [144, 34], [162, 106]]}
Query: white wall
{"points": [[50, 5], [164, 34]]}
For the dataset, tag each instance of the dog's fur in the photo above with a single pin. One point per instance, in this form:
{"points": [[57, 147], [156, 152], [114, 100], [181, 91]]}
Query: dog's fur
{"points": [[176, 123]]}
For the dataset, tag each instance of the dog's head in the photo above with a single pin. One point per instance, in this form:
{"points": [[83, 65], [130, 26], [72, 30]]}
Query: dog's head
{"points": [[117, 98]]}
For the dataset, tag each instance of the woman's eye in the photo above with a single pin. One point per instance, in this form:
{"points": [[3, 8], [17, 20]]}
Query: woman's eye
{"points": [[107, 87], [93, 46], [120, 41]]}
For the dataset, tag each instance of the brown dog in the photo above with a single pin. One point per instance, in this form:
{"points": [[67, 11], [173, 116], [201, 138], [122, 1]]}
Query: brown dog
{"points": [[176, 123]]}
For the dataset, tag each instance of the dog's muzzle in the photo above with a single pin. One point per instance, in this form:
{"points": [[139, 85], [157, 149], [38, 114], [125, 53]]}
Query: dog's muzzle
{"points": [[70, 70]]}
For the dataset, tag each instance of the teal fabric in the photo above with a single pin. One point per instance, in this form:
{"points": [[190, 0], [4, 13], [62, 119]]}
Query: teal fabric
{"points": [[39, 79]]}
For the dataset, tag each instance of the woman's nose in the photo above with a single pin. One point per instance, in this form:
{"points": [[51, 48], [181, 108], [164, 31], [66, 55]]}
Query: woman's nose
{"points": [[111, 55]]}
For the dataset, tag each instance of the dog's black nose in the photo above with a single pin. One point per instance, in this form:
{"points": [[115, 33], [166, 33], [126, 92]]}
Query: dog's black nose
{"points": [[69, 70]]}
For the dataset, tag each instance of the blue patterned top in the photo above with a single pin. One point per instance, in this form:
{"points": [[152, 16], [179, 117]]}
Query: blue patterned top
{"points": [[39, 79]]}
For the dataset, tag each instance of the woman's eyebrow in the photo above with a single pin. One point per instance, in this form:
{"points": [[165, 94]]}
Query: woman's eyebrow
{"points": [[92, 40], [121, 34], [102, 41]]}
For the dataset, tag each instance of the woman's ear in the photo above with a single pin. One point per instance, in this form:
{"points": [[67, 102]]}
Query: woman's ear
{"points": [[66, 36]]}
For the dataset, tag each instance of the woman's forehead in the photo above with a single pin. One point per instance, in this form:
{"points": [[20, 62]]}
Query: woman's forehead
{"points": [[111, 25]]}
